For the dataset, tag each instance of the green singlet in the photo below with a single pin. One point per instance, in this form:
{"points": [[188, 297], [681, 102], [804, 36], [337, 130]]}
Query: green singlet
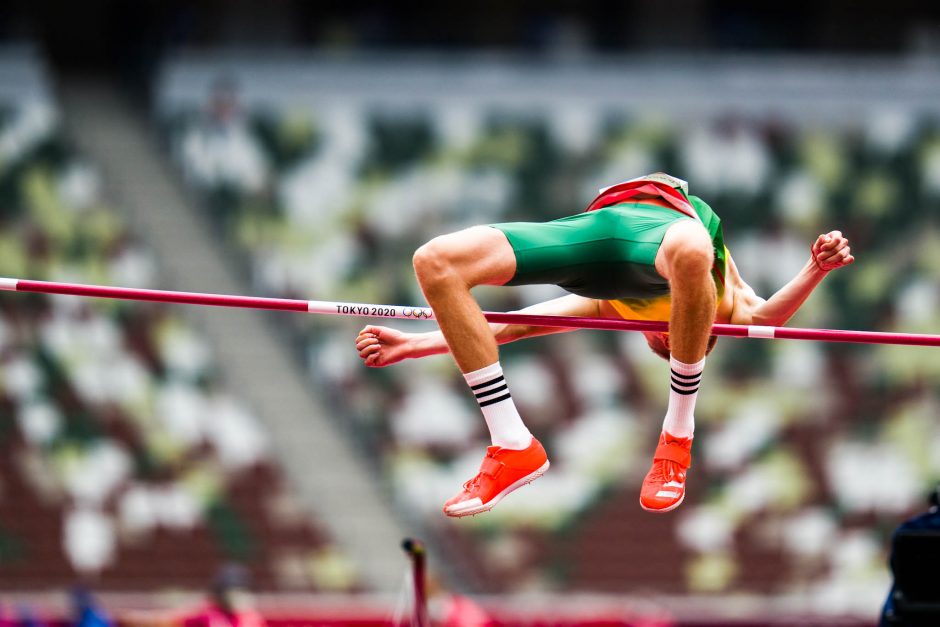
{"points": [[607, 254]]}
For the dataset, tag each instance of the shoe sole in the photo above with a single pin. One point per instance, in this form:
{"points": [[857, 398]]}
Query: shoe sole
{"points": [[665, 509], [499, 497]]}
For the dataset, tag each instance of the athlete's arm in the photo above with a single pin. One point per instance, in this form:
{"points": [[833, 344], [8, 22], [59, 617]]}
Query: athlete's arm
{"points": [[830, 251], [383, 346]]}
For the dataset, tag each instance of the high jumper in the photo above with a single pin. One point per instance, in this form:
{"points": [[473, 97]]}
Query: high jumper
{"points": [[644, 250]]}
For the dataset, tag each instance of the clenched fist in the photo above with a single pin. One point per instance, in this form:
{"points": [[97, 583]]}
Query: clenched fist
{"points": [[381, 346], [832, 251]]}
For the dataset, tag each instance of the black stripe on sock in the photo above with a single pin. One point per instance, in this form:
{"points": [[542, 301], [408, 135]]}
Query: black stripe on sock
{"points": [[486, 383], [495, 400], [685, 383], [490, 388], [685, 376], [686, 392], [493, 391]]}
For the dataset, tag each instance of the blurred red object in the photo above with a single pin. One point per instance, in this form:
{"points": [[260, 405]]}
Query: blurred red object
{"points": [[461, 611], [214, 616]]}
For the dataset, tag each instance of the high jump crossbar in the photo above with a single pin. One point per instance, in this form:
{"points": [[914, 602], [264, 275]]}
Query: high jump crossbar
{"points": [[425, 313]]}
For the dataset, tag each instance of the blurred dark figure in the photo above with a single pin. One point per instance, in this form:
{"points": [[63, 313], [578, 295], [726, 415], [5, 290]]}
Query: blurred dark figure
{"points": [[220, 152], [230, 602], [26, 617], [914, 600], [223, 107], [87, 613]]}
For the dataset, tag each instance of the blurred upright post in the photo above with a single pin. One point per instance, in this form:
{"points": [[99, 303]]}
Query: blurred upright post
{"points": [[416, 550]]}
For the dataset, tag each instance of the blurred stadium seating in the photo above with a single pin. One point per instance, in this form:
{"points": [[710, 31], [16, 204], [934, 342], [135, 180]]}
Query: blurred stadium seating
{"points": [[127, 455], [807, 453], [126, 462]]}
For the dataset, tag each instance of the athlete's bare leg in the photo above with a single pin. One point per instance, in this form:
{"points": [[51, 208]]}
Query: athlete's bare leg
{"points": [[685, 259], [447, 268]]}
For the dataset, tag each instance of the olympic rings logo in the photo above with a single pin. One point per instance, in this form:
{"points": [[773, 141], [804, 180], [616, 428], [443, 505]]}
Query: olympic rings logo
{"points": [[420, 314]]}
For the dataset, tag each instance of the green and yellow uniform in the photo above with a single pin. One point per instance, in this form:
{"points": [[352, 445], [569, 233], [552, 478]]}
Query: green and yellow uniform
{"points": [[609, 251]]}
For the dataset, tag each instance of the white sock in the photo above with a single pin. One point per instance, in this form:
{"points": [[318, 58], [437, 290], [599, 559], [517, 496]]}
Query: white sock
{"points": [[503, 420], [684, 382]]}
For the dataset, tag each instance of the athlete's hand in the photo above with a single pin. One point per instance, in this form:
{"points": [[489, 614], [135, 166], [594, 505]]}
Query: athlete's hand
{"points": [[832, 251], [381, 346]]}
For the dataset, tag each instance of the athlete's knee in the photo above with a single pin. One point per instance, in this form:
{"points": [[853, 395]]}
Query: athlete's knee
{"points": [[428, 260], [433, 262], [688, 251], [693, 260]]}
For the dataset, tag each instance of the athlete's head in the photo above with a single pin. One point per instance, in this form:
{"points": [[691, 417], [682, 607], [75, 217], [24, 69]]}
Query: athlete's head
{"points": [[659, 344]]}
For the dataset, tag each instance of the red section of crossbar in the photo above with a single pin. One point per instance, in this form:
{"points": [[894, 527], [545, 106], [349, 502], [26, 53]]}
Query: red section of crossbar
{"points": [[727, 330], [285, 304], [859, 337], [161, 296]]}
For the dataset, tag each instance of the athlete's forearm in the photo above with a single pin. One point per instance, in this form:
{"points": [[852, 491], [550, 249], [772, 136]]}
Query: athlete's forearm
{"points": [[780, 307], [433, 343], [505, 333]]}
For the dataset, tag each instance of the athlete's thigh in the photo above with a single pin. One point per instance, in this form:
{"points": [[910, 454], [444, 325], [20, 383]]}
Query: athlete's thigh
{"points": [[481, 254]]}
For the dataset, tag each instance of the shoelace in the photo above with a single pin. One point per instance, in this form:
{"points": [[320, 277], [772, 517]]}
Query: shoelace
{"points": [[665, 470], [472, 483]]}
